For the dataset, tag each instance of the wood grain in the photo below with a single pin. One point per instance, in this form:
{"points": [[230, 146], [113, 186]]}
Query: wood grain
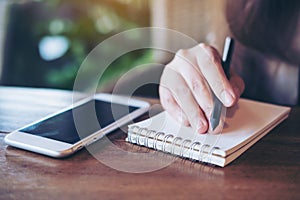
{"points": [[268, 170]]}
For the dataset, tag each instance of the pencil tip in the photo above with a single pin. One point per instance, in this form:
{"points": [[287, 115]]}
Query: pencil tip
{"points": [[214, 123]]}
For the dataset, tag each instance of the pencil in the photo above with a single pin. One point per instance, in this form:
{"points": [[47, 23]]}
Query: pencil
{"points": [[226, 59]]}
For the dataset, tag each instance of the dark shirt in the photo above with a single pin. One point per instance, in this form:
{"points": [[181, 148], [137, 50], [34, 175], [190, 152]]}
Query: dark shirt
{"points": [[267, 53]]}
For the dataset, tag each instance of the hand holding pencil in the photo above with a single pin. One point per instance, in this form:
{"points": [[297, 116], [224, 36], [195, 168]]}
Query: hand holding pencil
{"points": [[187, 82]]}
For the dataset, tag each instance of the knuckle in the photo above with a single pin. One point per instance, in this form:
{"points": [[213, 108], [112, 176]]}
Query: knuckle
{"points": [[183, 56], [169, 66], [182, 52], [182, 90], [197, 86], [215, 59], [166, 99], [210, 49], [169, 99], [211, 53], [203, 45]]}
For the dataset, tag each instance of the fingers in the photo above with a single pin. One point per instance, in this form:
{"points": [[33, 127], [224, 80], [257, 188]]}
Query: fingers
{"points": [[210, 65], [169, 103], [195, 81], [181, 93], [187, 84], [237, 84]]}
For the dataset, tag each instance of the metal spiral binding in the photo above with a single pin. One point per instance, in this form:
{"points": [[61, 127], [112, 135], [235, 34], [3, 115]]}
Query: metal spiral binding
{"points": [[202, 151], [174, 143], [132, 129], [146, 142], [156, 139], [138, 135], [211, 153], [192, 149], [165, 141], [182, 146]]}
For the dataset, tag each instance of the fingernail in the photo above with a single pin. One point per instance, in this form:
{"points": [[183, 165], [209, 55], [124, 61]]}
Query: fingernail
{"points": [[183, 121], [201, 127], [227, 98], [186, 123]]}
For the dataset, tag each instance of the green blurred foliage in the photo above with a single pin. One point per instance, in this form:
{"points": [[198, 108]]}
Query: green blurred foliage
{"points": [[84, 24]]}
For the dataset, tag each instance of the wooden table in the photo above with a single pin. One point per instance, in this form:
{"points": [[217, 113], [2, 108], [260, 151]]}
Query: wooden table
{"points": [[268, 170]]}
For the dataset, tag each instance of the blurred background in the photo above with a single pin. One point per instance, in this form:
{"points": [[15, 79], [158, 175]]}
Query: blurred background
{"points": [[43, 43], [46, 41]]}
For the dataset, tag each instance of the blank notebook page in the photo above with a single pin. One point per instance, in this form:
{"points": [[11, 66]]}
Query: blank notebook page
{"points": [[244, 122]]}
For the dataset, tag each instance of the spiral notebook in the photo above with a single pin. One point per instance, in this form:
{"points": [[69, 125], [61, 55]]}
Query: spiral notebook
{"points": [[245, 124]]}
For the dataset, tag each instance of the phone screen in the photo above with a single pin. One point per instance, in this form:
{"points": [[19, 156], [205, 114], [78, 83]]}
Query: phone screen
{"points": [[62, 126]]}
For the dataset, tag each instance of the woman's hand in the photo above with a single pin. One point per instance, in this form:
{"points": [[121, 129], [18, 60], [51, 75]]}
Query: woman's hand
{"points": [[185, 86]]}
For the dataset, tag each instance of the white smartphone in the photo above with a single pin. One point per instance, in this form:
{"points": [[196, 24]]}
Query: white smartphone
{"points": [[68, 130]]}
